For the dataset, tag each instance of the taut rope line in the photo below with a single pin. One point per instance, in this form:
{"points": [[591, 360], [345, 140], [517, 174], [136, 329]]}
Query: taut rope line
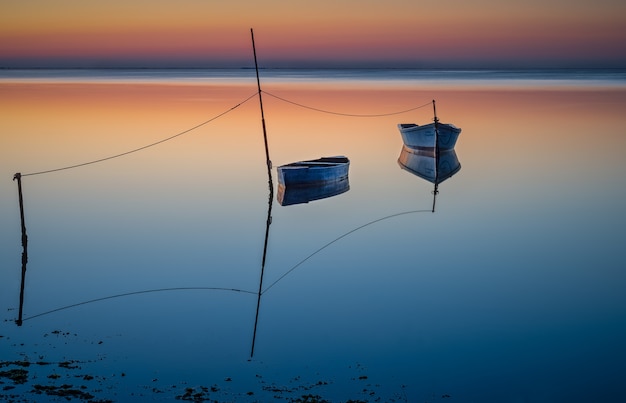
{"points": [[139, 292], [217, 117], [337, 239], [146, 146], [346, 114]]}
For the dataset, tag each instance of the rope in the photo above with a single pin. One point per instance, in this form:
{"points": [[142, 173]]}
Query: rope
{"points": [[347, 114], [228, 289], [146, 146], [216, 117], [135, 293], [337, 239]]}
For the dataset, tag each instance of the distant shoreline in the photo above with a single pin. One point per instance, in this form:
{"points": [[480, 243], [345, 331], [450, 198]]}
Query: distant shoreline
{"points": [[545, 78], [5, 68]]}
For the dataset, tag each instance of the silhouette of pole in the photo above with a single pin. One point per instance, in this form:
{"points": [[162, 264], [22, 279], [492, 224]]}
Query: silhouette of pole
{"points": [[271, 197], [18, 177], [258, 82], [435, 193]]}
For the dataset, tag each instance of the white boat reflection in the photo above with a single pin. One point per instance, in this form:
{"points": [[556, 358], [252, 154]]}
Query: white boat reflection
{"points": [[288, 195], [425, 164], [433, 165]]}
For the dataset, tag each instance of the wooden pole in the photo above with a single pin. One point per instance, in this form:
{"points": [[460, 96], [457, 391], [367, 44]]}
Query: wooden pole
{"points": [[258, 82], [271, 197], [18, 177]]}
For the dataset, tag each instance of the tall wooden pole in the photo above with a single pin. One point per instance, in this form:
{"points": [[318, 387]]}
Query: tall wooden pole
{"points": [[258, 82], [18, 177]]}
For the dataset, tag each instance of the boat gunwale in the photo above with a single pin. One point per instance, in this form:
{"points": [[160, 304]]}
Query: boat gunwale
{"points": [[414, 126], [324, 162]]}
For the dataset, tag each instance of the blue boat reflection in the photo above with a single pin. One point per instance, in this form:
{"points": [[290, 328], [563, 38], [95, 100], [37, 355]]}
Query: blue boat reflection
{"points": [[288, 195], [425, 163], [432, 165]]}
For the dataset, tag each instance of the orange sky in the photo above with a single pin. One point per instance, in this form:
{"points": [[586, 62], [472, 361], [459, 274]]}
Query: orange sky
{"points": [[394, 33]]}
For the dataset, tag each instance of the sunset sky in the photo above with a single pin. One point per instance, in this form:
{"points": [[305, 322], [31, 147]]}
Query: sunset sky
{"points": [[321, 33]]}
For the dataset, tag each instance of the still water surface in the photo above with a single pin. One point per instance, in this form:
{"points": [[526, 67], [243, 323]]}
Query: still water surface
{"points": [[512, 290]]}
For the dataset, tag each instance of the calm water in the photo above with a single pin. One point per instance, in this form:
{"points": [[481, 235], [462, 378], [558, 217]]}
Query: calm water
{"points": [[512, 291]]}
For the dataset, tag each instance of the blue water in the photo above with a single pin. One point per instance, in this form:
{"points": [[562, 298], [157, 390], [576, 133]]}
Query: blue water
{"points": [[143, 271]]}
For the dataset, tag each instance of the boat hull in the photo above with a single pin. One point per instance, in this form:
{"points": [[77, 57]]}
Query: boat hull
{"points": [[315, 172], [416, 136], [425, 164]]}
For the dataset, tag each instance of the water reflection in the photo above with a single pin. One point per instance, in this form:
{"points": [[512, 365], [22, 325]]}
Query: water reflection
{"points": [[431, 164], [268, 222], [288, 195]]}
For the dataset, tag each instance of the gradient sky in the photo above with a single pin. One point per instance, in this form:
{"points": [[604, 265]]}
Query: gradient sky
{"points": [[321, 33]]}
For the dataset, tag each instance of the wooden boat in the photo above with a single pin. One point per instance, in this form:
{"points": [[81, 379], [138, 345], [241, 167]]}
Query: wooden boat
{"points": [[423, 136], [432, 135], [288, 195], [314, 172]]}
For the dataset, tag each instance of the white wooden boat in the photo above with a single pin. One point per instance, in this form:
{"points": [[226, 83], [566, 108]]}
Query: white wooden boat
{"points": [[314, 172], [423, 136], [431, 135]]}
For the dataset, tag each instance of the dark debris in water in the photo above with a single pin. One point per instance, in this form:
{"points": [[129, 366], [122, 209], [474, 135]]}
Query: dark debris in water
{"points": [[21, 380], [17, 375], [65, 390], [309, 399], [26, 380], [69, 364]]}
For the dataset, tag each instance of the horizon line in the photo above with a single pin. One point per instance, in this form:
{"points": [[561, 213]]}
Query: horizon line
{"points": [[485, 67]]}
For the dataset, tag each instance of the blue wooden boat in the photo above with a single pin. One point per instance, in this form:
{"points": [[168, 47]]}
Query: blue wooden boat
{"points": [[432, 135], [314, 172], [423, 136]]}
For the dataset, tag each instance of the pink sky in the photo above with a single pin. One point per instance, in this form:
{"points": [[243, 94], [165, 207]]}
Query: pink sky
{"points": [[394, 33]]}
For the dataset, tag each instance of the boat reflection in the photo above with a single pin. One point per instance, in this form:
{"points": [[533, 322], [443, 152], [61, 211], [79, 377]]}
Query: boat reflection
{"points": [[431, 164], [288, 195]]}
